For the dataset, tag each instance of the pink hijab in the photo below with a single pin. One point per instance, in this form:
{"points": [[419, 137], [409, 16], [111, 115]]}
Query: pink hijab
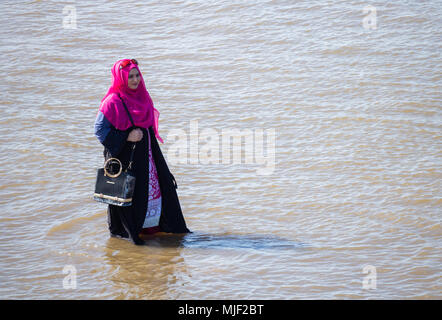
{"points": [[138, 101]]}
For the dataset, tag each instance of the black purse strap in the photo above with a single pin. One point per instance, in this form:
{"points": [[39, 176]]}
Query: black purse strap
{"points": [[133, 125], [127, 110]]}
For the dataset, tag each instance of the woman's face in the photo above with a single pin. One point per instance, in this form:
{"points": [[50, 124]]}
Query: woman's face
{"points": [[133, 79]]}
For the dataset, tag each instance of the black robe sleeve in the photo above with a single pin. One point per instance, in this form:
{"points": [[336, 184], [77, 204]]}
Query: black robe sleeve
{"points": [[115, 141], [112, 139]]}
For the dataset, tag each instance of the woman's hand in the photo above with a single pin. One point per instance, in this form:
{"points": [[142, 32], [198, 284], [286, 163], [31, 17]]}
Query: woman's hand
{"points": [[135, 135]]}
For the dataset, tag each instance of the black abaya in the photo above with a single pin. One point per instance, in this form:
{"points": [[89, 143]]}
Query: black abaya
{"points": [[127, 222]]}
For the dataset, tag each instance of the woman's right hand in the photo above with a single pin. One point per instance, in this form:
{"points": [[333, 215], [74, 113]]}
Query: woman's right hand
{"points": [[135, 135]]}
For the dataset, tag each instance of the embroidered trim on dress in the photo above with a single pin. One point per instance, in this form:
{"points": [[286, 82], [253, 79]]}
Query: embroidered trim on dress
{"points": [[154, 198]]}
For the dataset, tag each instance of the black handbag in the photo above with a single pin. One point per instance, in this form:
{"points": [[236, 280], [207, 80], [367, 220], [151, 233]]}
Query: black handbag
{"points": [[116, 188]]}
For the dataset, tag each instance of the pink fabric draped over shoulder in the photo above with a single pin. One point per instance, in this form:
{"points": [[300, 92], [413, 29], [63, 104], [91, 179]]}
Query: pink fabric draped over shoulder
{"points": [[138, 101]]}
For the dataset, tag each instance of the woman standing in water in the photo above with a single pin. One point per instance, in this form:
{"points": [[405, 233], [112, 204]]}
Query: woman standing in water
{"points": [[155, 204]]}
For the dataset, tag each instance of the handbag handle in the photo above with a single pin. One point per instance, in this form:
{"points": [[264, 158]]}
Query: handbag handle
{"points": [[106, 173]]}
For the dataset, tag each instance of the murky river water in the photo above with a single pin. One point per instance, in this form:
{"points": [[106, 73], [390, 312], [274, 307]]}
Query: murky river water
{"points": [[338, 198]]}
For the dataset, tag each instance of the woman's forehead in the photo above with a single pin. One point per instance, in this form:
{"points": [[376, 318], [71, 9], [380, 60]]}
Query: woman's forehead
{"points": [[133, 71]]}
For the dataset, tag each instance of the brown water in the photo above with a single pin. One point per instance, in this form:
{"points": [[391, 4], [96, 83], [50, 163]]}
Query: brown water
{"points": [[347, 204]]}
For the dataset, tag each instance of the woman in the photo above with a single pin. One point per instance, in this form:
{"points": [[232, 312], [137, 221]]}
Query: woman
{"points": [[155, 205]]}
